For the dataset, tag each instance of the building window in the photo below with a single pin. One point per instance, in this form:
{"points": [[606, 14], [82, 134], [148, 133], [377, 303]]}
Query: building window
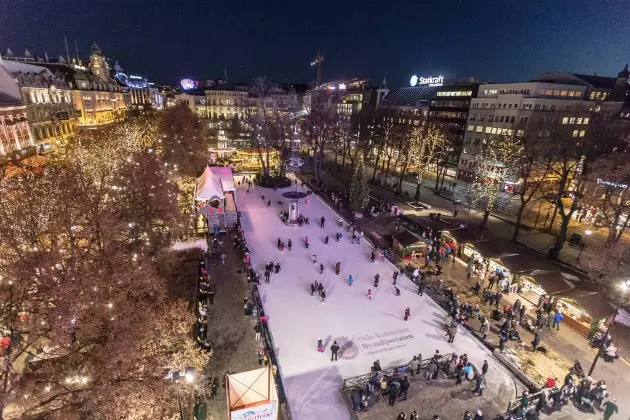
{"points": [[576, 133], [565, 120], [563, 93], [488, 130], [572, 120], [582, 133], [512, 119]]}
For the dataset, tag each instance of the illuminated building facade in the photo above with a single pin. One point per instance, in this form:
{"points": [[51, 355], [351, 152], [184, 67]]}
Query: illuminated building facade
{"points": [[48, 99], [14, 130], [141, 92]]}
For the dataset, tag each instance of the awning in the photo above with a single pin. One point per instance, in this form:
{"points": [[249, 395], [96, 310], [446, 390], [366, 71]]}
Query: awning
{"points": [[406, 238], [492, 249], [552, 282], [208, 187], [462, 235]]}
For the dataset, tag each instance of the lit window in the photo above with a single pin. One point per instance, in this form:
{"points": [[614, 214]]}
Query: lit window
{"points": [[494, 130], [578, 121], [488, 130], [471, 127], [572, 120], [592, 95], [542, 91], [520, 133], [576, 133], [585, 120], [548, 92], [556, 92], [565, 120], [563, 93], [479, 129], [582, 133]]}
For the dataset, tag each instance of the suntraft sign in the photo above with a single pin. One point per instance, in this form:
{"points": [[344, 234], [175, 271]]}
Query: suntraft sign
{"points": [[426, 81]]}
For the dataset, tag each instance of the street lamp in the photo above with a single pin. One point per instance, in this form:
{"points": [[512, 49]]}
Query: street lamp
{"points": [[624, 287], [176, 375], [587, 233]]}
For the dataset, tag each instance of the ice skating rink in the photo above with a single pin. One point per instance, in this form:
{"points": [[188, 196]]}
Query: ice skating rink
{"points": [[366, 330]]}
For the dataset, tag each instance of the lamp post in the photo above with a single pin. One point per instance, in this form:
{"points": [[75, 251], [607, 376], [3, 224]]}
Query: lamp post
{"points": [[176, 375], [587, 233]]}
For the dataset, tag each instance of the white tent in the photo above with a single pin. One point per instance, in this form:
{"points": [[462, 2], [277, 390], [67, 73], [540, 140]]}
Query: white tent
{"points": [[225, 175], [252, 395], [208, 186]]}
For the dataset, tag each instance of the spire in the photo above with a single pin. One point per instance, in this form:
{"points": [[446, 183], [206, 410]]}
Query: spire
{"points": [[46, 56], [27, 53], [384, 84], [95, 50], [61, 59], [624, 74], [9, 53]]}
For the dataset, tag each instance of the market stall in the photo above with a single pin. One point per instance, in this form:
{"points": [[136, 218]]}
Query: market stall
{"points": [[582, 308], [458, 239], [409, 246]]}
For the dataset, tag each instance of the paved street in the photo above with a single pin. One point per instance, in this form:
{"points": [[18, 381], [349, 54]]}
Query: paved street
{"points": [[567, 342]]}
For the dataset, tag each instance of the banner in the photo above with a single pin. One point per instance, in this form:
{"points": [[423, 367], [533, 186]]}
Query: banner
{"points": [[267, 411]]}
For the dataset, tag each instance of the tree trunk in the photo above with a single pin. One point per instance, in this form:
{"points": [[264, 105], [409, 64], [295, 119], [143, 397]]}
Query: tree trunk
{"points": [[403, 170], [519, 221], [336, 154], [417, 194], [486, 215], [343, 156], [378, 157]]}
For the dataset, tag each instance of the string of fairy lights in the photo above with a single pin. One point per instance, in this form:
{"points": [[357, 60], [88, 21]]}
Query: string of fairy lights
{"points": [[122, 165]]}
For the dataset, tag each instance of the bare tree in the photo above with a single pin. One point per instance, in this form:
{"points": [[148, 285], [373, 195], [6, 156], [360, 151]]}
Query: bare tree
{"points": [[319, 125]]}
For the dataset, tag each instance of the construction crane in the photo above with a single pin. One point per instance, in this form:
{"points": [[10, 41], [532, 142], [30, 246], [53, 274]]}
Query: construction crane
{"points": [[317, 63]]}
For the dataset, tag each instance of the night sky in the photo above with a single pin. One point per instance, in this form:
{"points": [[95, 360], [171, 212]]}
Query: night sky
{"points": [[509, 40]]}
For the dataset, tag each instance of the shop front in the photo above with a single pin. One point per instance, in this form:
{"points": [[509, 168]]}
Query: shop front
{"points": [[409, 246]]}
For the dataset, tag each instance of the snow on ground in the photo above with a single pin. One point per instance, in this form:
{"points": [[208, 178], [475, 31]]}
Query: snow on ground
{"points": [[366, 330]]}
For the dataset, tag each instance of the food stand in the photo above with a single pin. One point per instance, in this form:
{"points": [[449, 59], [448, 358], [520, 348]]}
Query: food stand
{"points": [[460, 237], [581, 308], [409, 246]]}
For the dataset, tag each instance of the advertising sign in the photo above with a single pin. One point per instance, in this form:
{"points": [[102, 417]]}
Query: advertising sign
{"points": [[267, 411], [427, 81]]}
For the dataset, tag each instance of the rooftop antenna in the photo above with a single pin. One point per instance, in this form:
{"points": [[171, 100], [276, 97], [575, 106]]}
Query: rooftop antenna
{"points": [[225, 74], [76, 49], [65, 40]]}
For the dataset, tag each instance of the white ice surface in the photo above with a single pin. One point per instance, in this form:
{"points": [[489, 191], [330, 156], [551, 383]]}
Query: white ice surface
{"points": [[312, 382]]}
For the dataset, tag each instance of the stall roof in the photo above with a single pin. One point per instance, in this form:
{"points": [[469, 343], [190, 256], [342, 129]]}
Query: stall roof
{"points": [[594, 303], [462, 235], [525, 261], [406, 238], [493, 249], [553, 282], [209, 186]]}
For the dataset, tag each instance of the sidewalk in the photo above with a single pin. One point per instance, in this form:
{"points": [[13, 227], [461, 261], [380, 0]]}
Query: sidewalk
{"points": [[230, 331], [566, 342]]}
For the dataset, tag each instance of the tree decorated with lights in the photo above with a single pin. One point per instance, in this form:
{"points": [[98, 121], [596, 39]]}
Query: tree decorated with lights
{"points": [[320, 124], [359, 191], [182, 142], [427, 144], [85, 316], [498, 160]]}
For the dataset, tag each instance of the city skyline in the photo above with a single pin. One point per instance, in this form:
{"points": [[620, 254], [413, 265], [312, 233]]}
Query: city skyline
{"points": [[495, 42]]}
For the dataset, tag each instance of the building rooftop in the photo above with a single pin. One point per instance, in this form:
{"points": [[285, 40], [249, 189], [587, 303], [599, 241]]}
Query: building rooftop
{"points": [[590, 80], [14, 67], [410, 96], [6, 100]]}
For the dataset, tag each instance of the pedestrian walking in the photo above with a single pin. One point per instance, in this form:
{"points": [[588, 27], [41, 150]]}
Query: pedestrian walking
{"points": [[321, 269], [369, 294], [432, 369], [536, 341], [211, 296], [404, 388], [350, 280], [333, 350], [557, 319], [414, 366], [407, 313], [485, 328], [478, 415], [477, 287], [260, 353], [402, 416], [395, 277], [258, 330], [610, 408], [394, 389], [377, 277], [414, 415], [480, 384], [484, 367], [467, 415]]}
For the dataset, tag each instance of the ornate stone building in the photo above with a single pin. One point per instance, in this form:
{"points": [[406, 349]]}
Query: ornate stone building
{"points": [[14, 133]]}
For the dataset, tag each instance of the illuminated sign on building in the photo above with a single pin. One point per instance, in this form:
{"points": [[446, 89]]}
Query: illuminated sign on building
{"points": [[427, 81], [188, 84], [612, 184]]}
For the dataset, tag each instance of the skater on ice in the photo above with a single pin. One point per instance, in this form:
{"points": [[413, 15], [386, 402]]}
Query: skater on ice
{"points": [[377, 277], [369, 294], [407, 313], [322, 294], [306, 242], [350, 280], [313, 288], [289, 244], [314, 259], [326, 240], [372, 256], [320, 345], [277, 268], [397, 291], [395, 277], [338, 267], [334, 349], [322, 221], [321, 269]]}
